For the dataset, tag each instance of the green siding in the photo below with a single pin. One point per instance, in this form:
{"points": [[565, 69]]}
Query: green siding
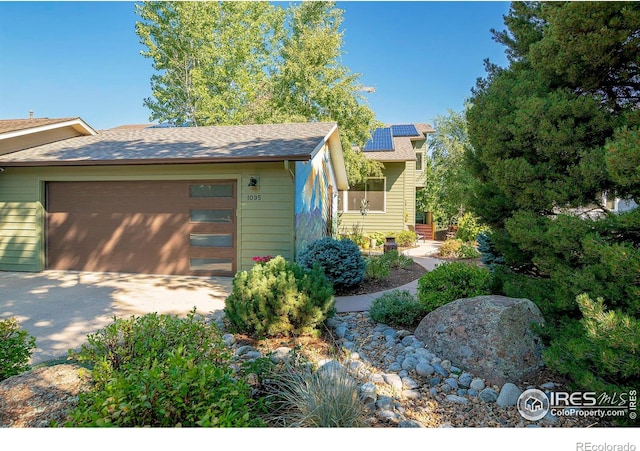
{"points": [[400, 199], [265, 224]]}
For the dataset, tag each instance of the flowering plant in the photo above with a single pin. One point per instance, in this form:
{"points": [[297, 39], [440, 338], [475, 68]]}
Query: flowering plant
{"points": [[264, 259]]}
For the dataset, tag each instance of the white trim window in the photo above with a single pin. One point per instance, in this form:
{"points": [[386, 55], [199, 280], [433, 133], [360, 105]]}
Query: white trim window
{"points": [[419, 161], [373, 190]]}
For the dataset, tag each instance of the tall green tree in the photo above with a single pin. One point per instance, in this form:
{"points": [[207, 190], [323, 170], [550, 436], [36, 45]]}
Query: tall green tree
{"points": [[448, 182], [213, 59], [549, 135], [228, 63], [312, 83]]}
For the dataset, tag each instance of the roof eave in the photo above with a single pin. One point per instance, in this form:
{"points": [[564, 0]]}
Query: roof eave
{"points": [[152, 161]]}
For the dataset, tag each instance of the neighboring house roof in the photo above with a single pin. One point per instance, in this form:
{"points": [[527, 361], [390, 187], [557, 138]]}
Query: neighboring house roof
{"points": [[10, 128], [393, 142], [132, 126], [270, 142]]}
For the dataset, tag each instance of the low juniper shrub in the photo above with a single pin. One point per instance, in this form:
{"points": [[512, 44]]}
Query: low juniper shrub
{"points": [[397, 308]]}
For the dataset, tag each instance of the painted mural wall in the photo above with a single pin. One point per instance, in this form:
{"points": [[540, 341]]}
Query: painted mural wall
{"points": [[314, 205]]}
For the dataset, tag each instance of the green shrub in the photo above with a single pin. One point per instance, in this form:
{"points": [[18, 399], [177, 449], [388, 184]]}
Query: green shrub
{"points": [[469, 227], [162, 371], [380, 238], [450, 281], [301, 396], [456, 248], [377, 267], [450, 248], [600, 352], [340, 260], [397, 260], [397, 308], [16, 347], [406, 238], [279, 298]]}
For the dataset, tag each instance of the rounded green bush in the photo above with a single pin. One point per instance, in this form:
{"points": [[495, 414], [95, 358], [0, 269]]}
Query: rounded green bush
{"points": [[451, 281], [397, 308], [340, 260], [279, 298]]}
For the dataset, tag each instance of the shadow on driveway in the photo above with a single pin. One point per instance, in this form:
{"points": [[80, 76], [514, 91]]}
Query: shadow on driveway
{"points": [[60, 308]]}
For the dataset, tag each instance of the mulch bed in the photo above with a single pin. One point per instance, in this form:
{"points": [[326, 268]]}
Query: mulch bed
{"points": [[397, 278]]}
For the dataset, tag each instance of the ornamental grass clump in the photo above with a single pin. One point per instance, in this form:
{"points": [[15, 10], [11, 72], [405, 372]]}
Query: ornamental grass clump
{"points": [[279, 298], [301, 396]]}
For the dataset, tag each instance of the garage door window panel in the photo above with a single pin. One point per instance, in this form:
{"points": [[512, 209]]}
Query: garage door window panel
{"points": [[210, 215], [211, 264], [211, 190], [211, 240]]}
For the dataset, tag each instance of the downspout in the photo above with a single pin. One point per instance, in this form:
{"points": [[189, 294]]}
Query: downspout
{"points": [[287, 167]]}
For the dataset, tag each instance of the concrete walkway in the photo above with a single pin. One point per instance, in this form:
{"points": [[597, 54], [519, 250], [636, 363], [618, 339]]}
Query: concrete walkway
{"points": [[420, 254]]}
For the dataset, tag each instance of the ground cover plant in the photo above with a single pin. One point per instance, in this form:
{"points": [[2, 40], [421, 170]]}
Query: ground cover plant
{"points": [[397, 308], [162, 371], [16, 347]]}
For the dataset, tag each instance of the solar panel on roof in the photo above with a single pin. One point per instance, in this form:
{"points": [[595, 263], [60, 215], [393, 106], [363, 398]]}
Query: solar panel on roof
{"points": [[380, 141], [404, 130]]}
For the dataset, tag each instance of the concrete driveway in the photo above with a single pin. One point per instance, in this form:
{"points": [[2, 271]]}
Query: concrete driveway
{"points": [[60, 308]]}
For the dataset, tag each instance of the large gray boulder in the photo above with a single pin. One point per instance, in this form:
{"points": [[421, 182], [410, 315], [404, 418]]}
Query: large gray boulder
{"points": [[489, 336]]}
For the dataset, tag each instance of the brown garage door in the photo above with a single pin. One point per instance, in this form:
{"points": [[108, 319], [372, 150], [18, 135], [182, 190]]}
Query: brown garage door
{"points": [[149, 227]]}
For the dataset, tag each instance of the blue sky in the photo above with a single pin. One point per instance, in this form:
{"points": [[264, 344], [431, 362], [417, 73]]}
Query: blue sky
{"points": [[68, 59]]}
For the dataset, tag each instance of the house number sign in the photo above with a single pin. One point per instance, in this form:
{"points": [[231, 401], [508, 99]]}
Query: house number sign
{"points": [[254, 197]]}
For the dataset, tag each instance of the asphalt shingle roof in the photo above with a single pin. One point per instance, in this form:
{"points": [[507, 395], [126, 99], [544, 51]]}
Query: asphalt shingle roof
{"points": [[247, 142]]}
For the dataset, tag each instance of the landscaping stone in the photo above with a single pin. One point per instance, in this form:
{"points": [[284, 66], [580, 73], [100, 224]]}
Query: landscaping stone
{"points": [[409, 424], [508, 396], [490, 336], [393, 380], [488, 395], [477, 384], [465, 380], [424, 369], [440, 370], [457, 399]]}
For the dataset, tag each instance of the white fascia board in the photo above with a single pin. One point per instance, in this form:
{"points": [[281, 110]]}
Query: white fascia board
{"points": [[78, 124]]}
